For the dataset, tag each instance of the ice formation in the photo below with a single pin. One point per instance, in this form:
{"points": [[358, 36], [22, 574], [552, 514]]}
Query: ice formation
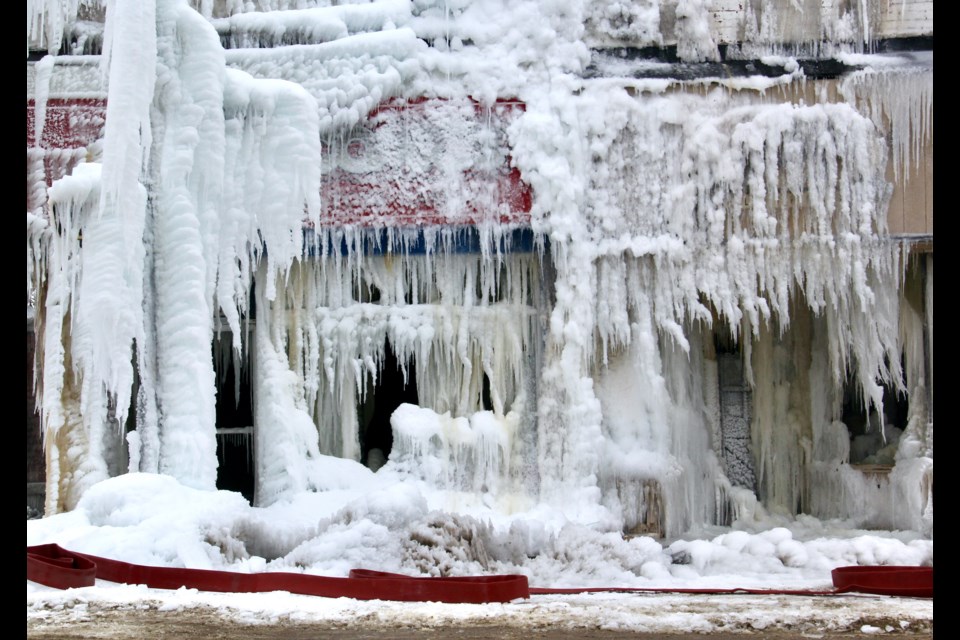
{"points": [[580, 372]]}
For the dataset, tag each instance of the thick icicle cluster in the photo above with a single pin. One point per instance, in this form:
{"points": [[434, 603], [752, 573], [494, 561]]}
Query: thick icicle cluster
{"points": [[807, 27], [47, 20], [239, 172], [901, 98], [72, 407], [347, 77], [671, 212], [452, 321], [309, 26]]}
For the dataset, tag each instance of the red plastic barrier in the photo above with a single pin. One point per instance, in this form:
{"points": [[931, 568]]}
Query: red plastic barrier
{"points": [[51, 565], [887, 581], [538, 591]]}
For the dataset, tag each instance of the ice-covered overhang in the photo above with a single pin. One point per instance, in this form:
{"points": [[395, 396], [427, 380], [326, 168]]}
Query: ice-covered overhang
{"points": [[664, 63]]}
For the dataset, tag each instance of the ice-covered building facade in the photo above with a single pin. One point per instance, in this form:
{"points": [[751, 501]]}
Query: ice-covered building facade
{"points": [[657, 264]]}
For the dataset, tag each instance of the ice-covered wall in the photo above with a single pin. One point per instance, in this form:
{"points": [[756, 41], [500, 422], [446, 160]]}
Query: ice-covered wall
{"points": [[238, 170], [72, 410], [673, 210], [667, 211]]}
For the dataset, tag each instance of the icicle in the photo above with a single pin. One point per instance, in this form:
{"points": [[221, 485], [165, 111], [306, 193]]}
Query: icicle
{"points": [[808, 28], [72, 401], [47, 21], [899, 99], [286, 441], [738, 208]]}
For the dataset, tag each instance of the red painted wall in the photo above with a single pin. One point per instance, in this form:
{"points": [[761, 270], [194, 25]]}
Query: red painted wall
{"points": [[391, 196]]}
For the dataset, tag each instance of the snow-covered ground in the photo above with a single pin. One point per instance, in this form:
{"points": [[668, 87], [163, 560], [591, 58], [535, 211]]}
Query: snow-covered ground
{"points": [[653, 614], [393, 523]]}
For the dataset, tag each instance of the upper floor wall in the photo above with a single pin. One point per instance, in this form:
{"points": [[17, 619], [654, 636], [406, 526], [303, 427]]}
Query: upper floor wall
{"points": [[757, 22], [75, 109], [72, 95], [685, 24]]}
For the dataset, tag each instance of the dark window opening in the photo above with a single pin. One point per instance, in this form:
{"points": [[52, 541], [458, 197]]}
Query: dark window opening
{"points": [[868, 445], [366, 292], [234, 428], [382, 399], [486, 404]]}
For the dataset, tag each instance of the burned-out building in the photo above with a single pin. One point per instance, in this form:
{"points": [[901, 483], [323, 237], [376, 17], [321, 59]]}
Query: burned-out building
{"points": [[662, 264]]}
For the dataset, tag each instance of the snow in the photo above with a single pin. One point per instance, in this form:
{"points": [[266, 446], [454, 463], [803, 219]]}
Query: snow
{"points": [[676, 215], [388, 522], [660, 614]]}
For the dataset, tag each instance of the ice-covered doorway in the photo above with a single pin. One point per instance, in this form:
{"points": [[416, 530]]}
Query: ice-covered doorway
{"points": [[875, 432], [873, 444], [389, 390], [235, 470], [735, 414], [440, 322]]}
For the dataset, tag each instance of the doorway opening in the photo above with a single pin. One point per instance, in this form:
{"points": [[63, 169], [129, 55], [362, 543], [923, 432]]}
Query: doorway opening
{"points": [[234, 422], [381, 400], [869, 446], [736, 413]]}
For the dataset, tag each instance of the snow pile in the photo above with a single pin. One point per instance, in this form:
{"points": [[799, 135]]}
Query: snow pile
{"points": [[392, 526]]}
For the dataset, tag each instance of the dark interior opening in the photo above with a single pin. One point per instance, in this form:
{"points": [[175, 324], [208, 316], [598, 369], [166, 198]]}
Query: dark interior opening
{"points": [[381, 400], [867, 445], [486, 404], [234, 429]]}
